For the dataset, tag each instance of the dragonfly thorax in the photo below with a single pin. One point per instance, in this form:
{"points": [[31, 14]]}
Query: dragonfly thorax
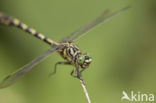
{"points": [[72, 54]]}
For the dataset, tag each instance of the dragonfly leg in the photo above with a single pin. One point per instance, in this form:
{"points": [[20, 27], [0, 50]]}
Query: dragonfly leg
{"points": [[76, 70], [64, 63], [78, 74], [73, 71], [81, 71]]}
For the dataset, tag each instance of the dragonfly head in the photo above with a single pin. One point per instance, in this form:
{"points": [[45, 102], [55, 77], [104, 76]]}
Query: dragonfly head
{"points": [[84, 60]]}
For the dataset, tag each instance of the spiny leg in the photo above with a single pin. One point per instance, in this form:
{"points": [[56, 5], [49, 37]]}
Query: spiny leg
{"points": [[78, 73], [64, 63], [76, 70]]}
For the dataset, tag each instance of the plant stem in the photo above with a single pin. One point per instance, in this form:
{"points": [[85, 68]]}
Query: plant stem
{"points": [[85, 90]]}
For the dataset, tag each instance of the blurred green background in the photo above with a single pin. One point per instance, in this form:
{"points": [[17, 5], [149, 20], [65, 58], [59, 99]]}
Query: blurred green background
{"points": [[123, 50]]}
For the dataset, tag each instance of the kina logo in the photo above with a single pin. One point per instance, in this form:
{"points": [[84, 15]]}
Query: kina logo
{"points": [[137, 96]]}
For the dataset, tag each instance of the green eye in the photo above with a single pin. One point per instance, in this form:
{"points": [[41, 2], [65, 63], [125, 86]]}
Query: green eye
{"points": [[81, 60]]}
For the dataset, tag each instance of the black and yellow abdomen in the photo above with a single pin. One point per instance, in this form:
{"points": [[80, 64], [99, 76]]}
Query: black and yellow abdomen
{"points": [[9, 21]]}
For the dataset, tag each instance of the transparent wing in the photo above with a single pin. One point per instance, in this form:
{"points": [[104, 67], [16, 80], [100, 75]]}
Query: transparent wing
{"points": [[101, 19], [10, 79]]}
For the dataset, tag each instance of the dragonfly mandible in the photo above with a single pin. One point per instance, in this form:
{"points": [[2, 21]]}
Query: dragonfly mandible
{"points": [[66, 48]]}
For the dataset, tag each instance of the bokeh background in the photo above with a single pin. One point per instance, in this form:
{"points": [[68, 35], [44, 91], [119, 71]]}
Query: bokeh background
{"points": [[123, 50]]}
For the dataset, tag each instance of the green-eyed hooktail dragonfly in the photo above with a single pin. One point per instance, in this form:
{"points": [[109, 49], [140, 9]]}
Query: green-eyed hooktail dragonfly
{"points": [[66, 48]]}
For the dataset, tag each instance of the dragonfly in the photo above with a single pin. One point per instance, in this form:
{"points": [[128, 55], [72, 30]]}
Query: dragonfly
{"points": [[68, 50]]}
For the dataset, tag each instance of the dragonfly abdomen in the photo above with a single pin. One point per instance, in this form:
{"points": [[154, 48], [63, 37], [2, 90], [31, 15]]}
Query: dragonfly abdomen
{"points": [[9, 21]]}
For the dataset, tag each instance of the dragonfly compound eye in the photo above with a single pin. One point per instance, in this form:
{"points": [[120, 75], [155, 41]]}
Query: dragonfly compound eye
{"points": [[84, 61]]}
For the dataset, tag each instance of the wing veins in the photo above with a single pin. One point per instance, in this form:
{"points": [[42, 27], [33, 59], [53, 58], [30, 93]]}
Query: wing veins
{"points": [[99, 20], [10, 79]]}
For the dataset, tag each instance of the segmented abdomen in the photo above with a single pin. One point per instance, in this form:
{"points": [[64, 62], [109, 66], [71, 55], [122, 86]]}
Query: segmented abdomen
{"points": [[9, 21]]}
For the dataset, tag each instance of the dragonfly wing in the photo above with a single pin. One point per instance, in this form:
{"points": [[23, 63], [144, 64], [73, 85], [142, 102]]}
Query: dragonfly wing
{"points": [[69, 37], [10, 79], [101, 19]]}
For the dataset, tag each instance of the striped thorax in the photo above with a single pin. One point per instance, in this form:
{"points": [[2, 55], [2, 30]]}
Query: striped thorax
{"points": [[72, 54]]}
